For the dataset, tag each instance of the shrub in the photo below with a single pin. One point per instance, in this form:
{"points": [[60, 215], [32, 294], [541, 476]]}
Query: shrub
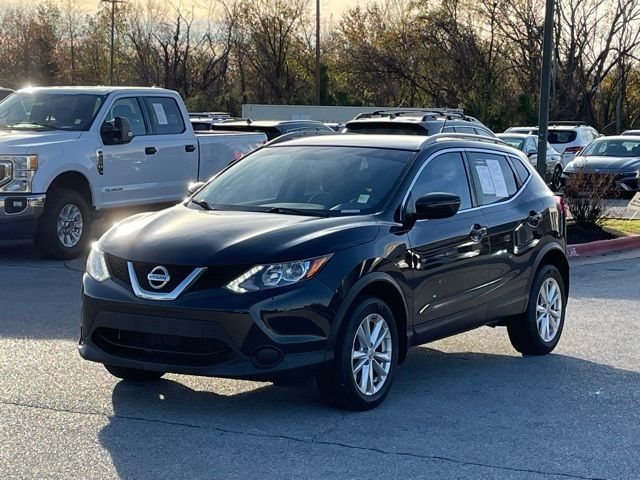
{"points": [[585, 193]]}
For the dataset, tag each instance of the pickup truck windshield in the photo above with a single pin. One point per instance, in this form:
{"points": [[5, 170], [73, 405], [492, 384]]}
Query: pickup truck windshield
{"points": [[312, 180], [49, 111]]}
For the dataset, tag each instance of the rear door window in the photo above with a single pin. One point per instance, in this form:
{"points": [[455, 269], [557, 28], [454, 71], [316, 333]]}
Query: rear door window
{"points": [[493, 178], [165, 115]]}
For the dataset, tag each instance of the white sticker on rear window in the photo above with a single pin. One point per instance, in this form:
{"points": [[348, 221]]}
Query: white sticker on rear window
{"points": [[485, 180], [497, 177], [160, 115]]}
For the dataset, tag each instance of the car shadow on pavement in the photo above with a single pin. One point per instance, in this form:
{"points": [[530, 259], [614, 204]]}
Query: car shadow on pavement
{"points": [[470, 407]]}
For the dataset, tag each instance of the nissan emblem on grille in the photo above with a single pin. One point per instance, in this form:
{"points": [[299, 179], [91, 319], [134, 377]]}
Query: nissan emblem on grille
{"points": [[158, 278]]}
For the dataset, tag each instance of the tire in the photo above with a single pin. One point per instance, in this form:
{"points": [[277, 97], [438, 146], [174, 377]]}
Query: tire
{"points": [[72, 208], [133, 373], [526, 336], [556, 182], [338, 382]]}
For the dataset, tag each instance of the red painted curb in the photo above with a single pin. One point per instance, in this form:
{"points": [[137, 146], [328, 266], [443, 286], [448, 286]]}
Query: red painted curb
{"points": [[603, 246]]}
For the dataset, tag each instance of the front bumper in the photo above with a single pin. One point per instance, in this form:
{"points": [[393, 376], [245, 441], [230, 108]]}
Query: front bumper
{"points": [[210, 333], [19, 214]]}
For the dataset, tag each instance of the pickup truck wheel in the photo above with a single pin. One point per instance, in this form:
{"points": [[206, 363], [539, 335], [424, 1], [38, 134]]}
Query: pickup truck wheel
{"points": [[64, 225], [366, 359]]}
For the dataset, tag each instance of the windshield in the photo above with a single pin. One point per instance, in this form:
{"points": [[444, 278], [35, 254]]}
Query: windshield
{"points": [[613, 148], [49, 111], [321, 180], [515, 142]]}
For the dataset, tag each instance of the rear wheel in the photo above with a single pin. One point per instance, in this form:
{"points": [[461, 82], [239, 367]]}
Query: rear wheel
{"points": [[556, 179], [538, 330], [133, 373], [366, 358], [64, 226]]}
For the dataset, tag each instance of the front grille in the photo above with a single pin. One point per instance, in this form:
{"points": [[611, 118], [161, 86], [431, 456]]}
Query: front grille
{"points": [[5, 172], [118, 268], [212, 278], [177, 274], [165, 349]]}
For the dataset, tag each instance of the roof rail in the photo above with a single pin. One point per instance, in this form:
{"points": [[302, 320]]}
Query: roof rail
{"points": [[462, 136], [426, 113], [293, 135], [230, 120], [576, 123]]}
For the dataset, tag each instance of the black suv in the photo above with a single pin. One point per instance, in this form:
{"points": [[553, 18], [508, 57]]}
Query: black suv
{"points": [[417, 122], [331, 255], [272, 128]]}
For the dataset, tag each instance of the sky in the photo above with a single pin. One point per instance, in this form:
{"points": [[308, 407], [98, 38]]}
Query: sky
{"points": [[331, 7]]}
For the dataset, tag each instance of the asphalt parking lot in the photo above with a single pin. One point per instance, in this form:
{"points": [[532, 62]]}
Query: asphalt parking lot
{"points": [[466, 408]]}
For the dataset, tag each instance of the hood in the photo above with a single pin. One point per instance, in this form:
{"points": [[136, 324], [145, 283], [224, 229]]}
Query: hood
{"points": [[188, 236], [604, 164], [21, 142]]}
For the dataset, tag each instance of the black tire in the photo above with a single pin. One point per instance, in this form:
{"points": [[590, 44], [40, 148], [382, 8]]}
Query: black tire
{"points": [[47, 239], [556, 179], [337, 383], [133, 373], [523, 331]]}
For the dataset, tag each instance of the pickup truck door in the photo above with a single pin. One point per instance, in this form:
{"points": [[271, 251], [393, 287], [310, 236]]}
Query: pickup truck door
{"points": [[171, 148], [122, 167]]}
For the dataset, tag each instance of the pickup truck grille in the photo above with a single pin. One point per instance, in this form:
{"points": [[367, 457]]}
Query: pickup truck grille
{"points": [[6, 168]]}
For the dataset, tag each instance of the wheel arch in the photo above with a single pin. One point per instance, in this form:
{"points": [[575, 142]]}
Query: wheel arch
{"points": [[552, 254], [384, 287], [73, 180]]}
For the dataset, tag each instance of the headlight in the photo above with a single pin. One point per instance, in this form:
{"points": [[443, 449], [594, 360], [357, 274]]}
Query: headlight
{"points": [[262, 277], [97, 265], [21, 169]]}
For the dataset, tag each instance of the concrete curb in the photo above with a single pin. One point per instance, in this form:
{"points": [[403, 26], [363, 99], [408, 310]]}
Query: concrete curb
{"points": [[603, 246]]}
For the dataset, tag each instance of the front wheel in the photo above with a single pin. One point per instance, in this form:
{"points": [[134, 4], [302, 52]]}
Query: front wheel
{"points": [[133, 373], [538, 330], [64, 226], [366, 358]]}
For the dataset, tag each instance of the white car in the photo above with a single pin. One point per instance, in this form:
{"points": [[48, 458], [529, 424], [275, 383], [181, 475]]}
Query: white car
{"points": [[528, 144], [568, 138], [67, 153]]}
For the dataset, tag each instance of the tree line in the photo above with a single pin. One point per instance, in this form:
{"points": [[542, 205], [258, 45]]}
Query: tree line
{"points": [[480, 55]]}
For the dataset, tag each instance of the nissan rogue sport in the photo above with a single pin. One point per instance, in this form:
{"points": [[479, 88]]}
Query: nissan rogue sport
{"points": [[331, 256]]}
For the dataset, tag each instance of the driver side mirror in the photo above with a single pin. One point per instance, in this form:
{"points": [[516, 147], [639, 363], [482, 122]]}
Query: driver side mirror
{"points": [[193, 187], [436, 205], [118, 133]]}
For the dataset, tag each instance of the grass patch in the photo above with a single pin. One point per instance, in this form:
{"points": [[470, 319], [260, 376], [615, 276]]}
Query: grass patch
{"points": [[621, 228]]}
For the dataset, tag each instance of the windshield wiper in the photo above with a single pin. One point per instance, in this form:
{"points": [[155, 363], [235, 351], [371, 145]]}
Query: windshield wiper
{"points": [[202, 203], [297, 211]]}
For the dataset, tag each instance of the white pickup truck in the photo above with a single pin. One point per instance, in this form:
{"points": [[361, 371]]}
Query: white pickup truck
{"points": [[67, 153]]}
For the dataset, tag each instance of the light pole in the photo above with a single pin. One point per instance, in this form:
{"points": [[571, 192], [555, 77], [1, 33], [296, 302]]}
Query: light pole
{"points": [[113, 27], [545, 87], [318, 83]]}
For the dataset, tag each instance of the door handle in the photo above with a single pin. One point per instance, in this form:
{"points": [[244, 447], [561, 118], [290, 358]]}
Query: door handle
{"points": [[150, 150], [478, 232], [534, 218], [189, 148]]}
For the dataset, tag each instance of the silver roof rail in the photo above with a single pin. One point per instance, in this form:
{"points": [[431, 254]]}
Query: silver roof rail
{"points": [[462, 136]]}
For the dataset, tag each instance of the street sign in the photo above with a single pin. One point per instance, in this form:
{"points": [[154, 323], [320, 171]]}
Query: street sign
{"points": [[634, 204]]}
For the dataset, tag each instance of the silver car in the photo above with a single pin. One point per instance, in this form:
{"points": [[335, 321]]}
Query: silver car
{"points": [[529, 145]]}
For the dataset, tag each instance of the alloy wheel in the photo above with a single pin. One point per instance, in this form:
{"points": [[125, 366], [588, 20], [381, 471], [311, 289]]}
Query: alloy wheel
{"points": [[371, 354], [69, 225], [549, 309]]}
